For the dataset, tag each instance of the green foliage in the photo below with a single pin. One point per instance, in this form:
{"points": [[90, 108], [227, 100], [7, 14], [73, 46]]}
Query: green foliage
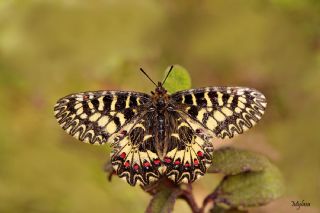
{"points": [[224, 162], [250, 188], [163, 201], [259, 183], [296, 4], [179, 79]]}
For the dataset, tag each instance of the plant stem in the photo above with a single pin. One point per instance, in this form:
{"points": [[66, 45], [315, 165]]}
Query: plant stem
{"points": [[187, 195]]}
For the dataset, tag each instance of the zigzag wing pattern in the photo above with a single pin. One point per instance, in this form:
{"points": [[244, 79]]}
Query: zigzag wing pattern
{"points": [[226, 111], [134, 156], [93, 117], [189, 149]]}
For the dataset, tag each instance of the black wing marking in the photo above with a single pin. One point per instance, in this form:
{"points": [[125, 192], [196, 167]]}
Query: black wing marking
{"points": [[134, 156], [226, 111], [94, 116], [189, 149]]}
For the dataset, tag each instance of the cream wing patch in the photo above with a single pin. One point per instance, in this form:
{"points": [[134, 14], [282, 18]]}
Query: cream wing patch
{"points": [[226, 111], [92, 117]]}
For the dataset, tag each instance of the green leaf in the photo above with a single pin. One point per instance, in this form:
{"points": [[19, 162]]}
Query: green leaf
{"points": [[231, 161], [163, 201], [250, 188], [179, 79]]}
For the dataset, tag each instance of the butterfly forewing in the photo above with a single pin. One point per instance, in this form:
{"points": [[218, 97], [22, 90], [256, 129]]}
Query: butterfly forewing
{"points": [[94, 116], [226, 111]]}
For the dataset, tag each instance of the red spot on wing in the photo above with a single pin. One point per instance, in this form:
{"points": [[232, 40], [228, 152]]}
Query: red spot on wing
{"points": [[200, 154], [196, 162], [123, 132], [123, 155], [136, 167], [167, 160], [187, 164], [146, 164], [156, 161], [126, 164], [177, 162], [198, 131]]}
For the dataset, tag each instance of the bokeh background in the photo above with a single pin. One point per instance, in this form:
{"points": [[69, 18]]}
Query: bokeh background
{"points": [[51, 48]]}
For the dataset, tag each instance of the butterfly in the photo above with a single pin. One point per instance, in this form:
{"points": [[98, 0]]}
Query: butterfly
{"points": [[160, 134]]}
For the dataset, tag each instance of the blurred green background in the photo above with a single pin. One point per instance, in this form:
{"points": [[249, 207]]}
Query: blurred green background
{"points": [[49, 49]]}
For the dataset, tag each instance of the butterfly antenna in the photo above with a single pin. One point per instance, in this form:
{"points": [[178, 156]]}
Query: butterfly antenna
{"points": [[164, 81], [147, 76]]}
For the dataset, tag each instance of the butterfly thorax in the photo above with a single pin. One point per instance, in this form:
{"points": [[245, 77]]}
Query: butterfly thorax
{"points": [[160, 98]]}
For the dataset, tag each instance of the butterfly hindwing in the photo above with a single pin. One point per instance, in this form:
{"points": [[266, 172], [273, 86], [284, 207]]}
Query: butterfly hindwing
{"points": [[134, 156], [94, 116], [189, 150], [226, 111]]}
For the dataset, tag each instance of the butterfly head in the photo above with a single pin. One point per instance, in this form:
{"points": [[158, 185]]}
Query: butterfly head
{"points": [[159, 96], [160, 90]]}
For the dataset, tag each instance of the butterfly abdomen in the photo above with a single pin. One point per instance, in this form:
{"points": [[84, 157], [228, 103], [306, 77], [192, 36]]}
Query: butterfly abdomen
{"points": [[161, 126]]}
